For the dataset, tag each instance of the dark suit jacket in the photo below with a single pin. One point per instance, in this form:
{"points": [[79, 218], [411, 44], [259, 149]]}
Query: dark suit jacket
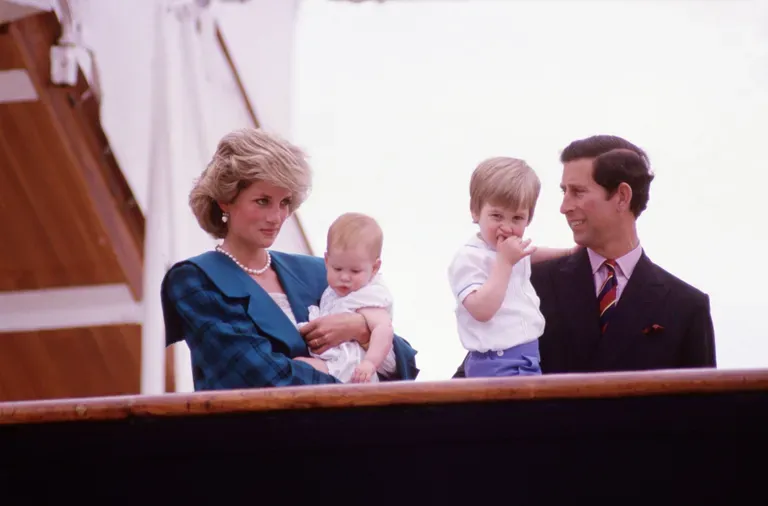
{"points": [[660, 322], [238, 336]]}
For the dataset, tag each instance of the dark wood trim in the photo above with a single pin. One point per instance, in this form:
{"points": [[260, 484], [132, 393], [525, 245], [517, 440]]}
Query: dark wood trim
{"points": [[76, 116], [575, 386]]}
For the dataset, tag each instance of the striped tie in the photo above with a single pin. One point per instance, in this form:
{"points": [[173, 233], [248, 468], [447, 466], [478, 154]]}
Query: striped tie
{"points": [[607, 297]]}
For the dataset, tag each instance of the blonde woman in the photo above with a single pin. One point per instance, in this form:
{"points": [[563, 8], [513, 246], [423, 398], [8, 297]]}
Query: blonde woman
{"points": [[237, 307]]}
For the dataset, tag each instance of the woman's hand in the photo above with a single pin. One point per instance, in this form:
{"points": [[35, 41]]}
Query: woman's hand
{"points": [[332, 330]]}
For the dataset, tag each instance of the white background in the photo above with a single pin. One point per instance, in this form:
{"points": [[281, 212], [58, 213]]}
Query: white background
{"points": [[398, 102]]}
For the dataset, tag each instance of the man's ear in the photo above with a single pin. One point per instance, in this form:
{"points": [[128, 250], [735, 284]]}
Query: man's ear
{"points": [[624, 192], [376, 265]]}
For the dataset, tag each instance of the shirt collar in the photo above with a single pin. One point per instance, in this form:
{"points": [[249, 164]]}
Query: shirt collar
{"points": [[477, 242], [625, 263]]}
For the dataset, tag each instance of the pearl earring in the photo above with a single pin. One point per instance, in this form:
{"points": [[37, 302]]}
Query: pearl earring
{"points": [[225, 217]]}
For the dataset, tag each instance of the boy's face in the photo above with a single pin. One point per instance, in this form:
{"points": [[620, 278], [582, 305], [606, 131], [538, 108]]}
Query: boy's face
{"points": [[499, 223], [350, 269]]}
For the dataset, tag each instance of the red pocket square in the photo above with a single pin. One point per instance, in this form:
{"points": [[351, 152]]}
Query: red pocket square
{"points": [[653, 328]]}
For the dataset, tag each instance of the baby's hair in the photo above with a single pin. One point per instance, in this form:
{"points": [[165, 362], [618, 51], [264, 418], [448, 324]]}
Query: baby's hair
{"points": [[505, 182], [352, 229]]}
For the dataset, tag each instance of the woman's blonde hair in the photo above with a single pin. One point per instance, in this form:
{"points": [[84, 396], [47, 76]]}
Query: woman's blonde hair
{"points": [[505, 182], [243, 157]]}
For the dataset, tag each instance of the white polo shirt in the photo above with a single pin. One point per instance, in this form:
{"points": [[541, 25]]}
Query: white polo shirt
{"points": [[517, 321]]}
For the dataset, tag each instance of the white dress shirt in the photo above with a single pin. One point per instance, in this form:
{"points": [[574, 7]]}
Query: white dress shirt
{"points": [[625, 266]]}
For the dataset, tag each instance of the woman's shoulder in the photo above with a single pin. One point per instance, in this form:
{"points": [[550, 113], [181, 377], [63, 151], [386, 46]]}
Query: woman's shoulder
{"points": [[184, 276], [196, 273], [193, 267], [187, 289]]}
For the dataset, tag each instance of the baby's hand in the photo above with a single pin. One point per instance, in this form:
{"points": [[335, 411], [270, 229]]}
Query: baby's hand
{"points": [[513, 249], [363, 372]]}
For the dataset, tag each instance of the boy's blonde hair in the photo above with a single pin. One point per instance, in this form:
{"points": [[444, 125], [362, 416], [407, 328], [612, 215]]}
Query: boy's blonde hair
{"points": [[352, 229], [505, 182]]}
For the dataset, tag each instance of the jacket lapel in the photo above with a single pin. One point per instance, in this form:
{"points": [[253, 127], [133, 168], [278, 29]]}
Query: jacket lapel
{"points": [[579, 305], [299, 294], [639, 301], [263, 310]]}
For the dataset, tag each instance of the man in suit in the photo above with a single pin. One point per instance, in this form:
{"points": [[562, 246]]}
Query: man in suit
{"points": [[608, 307]]}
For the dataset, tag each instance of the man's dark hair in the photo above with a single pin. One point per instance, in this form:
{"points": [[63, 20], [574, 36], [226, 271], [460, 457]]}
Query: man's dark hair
{"points": [[616, 161]]}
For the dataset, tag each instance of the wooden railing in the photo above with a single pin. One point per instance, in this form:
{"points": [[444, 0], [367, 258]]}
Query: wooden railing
{"points": [[554, 387], [695, 436]]}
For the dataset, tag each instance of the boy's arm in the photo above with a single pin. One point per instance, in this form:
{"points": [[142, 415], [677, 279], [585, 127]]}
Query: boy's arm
{"points": [[542, 254], [382, 334], [483, 303]]}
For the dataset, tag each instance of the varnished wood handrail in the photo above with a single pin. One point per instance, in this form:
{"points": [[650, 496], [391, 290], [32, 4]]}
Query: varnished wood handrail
{"points": [[570, 386]]}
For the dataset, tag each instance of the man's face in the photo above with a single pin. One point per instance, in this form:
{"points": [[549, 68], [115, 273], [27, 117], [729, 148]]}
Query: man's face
{"points": [[592, 216]]}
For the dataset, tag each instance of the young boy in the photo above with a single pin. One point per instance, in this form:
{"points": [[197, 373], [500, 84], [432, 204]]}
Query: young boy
{"points": [[497, 309], [353, 259]]}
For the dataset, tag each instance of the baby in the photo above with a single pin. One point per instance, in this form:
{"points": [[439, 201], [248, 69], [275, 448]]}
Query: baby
{"points": [[497, 308], [352, 259]]}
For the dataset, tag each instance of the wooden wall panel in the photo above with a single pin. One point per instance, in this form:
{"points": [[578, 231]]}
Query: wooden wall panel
{"points": [[67, 218], [66, 207], [55, 238], [59, 364]]}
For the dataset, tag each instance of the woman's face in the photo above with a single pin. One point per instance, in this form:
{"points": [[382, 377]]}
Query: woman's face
{"points": [[257, 213]]}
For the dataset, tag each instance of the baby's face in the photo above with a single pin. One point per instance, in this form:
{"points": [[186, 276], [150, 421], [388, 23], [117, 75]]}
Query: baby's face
{"points": [[350, 269]]}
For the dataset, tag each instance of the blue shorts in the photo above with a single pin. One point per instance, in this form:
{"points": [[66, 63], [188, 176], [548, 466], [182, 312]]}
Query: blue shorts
{"points": [[520, 360]]}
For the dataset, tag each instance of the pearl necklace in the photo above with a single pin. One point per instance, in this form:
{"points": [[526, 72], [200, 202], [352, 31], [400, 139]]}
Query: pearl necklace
{"points": [[255, 272]]}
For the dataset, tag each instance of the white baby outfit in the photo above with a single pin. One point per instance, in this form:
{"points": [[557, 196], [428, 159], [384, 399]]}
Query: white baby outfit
{"points": [[344, 358]]}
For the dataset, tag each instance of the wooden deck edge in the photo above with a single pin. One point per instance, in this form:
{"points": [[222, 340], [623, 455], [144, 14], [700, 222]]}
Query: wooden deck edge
{"points": [[571, 386]]}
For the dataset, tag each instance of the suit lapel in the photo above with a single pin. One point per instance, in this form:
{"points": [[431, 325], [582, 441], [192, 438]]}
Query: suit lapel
{"points": [[263, 310], [579, 304], [639, 301]]}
